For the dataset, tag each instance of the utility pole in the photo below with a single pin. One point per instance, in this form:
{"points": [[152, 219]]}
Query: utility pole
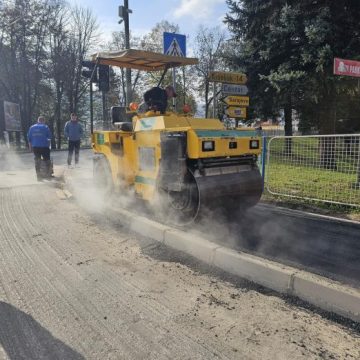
{"points": [[214, 100], [91, 108], [124, 12]]}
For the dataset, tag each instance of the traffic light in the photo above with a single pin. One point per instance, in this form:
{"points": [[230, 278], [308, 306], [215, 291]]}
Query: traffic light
{"points": [[104, 78], [90, 72], [123, 13]]}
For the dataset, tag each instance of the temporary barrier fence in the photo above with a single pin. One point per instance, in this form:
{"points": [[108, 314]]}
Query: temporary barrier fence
{"points": [[323, 168]]}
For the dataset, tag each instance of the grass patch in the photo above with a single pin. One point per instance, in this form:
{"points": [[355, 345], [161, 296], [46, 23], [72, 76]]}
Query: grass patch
{"points": [[313, 183], [301, 176]]}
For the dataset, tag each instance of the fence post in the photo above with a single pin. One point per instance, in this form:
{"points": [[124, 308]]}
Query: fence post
{"points": [[263, 160], [357, 185]]}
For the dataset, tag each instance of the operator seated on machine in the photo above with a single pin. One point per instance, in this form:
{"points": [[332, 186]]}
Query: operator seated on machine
{"points": [[156, 99]]}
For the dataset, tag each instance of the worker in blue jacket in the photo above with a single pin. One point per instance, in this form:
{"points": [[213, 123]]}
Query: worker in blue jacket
{"points": [[73, 132], [39, 137]]}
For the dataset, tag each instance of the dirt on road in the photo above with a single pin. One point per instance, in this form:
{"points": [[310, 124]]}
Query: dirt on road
{"points": [[75, 285]]}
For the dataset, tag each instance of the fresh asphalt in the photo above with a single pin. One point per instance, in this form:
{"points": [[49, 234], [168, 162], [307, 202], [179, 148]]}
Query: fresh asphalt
{"points": [[319, 244]]}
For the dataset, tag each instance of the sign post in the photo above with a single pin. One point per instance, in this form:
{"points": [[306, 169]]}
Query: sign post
{"points": [[12, 120], [351, 68], [12, 116], [233, 100], [236, 112], [174, 45], [232, 89], [227, 77]]}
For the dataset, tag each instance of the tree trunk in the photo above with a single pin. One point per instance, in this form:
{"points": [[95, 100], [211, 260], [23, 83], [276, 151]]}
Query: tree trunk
{"points": [[58, 115], [206, 99], [288, 126], [357, 185], [327, 126], [328, 153], [52, 130]]}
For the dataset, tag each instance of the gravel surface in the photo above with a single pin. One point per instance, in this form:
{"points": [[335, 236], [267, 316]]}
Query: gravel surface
{"points": [[75, 285]]}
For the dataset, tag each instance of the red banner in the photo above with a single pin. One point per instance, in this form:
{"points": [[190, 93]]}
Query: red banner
{"points": [[346, 67]]}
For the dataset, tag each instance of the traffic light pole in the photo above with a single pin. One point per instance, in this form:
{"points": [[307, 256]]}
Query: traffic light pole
{"points": [[105, 121], [91, 109], [214, 100], [174, 86], [127, 46]]}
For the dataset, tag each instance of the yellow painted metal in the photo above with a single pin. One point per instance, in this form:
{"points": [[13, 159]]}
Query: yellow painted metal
{"points": [[228, 77], [232, 100], [148, 168], [236, 112], [118, 148], [214, 124], [134, 157], [221, 146]]}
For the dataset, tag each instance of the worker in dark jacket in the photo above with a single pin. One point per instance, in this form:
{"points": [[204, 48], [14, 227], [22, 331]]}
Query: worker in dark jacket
{"points": [[156, 98], [73, 132], [39, 137]]}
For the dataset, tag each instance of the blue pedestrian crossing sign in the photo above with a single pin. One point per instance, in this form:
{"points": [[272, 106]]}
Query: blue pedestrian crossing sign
{"points": [[174, 44]]}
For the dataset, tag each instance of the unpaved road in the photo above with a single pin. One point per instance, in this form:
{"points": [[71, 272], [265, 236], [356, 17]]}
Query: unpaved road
{"points": [[75, 285]]}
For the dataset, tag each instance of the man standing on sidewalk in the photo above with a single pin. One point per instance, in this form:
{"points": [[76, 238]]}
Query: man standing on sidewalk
{"points": [[39, 137], [73, 132]]}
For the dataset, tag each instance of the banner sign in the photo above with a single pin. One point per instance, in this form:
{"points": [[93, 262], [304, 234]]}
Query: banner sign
{"points": [[227, 77], [12, 116], [346, 67]]}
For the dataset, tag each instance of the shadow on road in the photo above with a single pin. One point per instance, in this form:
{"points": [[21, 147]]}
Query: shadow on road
{"points": [[24, 338]]}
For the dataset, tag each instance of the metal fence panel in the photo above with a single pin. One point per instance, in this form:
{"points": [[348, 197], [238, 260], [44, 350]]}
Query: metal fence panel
{"points": [[323, 168]]}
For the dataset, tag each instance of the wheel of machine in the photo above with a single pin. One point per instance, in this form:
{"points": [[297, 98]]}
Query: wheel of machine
{"points": [[102, 177], [228, 196], [181, 207]]}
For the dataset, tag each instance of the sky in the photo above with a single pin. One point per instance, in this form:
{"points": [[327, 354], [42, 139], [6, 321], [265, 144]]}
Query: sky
{"points": [[188, 14]]}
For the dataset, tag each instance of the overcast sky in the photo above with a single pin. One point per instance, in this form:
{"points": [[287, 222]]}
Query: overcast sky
{"points": [[188, 14]]}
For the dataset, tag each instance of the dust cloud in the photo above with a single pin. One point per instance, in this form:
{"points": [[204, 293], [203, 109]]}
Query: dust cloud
{"points": [[10, 160], [16, 168], [92, 196], [246, 230]]}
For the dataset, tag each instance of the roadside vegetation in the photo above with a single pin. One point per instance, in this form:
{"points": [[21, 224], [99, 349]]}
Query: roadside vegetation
{"points": [[302, 177], [285, 48]]}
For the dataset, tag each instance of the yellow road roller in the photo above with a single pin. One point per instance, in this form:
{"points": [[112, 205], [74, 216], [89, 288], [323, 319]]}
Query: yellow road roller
{"points": [[180, 165]]}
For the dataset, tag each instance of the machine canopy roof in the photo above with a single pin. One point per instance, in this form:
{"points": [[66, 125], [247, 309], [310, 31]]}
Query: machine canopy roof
{"points": [[141, 60]]}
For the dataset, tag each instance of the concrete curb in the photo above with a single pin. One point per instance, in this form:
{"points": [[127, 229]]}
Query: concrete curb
{"points": [[314, 289], [261, 271], [328, 295]]}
